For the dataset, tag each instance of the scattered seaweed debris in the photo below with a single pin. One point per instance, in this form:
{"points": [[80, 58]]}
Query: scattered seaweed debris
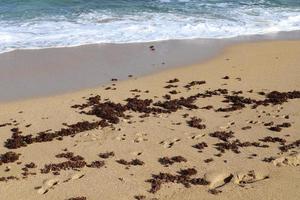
{"points": [[285, 148], [5, 124], [176, 104], [182, 177], [236, 103], [166, 161], [196, 123], [194, 83], [8, 178], [279, 127], [269, 124], [31, 165], [107, 155], [139, 197], [208, 160], [96, 164], [174, 92], [268, 159], [109, 112], [170, 86], [90, 102], [9, 157], [246, 127], [235, 145], [17, 140], [73, 163], [222, 135], [152, 48], [209, 107], [214, 191], [276, 97], [200, 146], [175, 80], [134, 162], [275, 128], [187, 172], [167, 96], [140, 105], [273, 140]]}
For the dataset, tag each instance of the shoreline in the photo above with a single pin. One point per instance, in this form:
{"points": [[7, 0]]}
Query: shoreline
{"points": [[54, 71]]}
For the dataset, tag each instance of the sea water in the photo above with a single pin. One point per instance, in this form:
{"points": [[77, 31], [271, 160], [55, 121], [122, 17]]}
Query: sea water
{"points": [[57, 23]]}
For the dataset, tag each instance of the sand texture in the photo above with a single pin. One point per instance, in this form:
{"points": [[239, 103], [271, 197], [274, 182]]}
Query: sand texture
{"points": [[224, 129]]}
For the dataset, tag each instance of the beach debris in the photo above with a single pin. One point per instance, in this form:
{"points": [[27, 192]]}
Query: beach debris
{"points": [[166, 161], [17, 140], [273, 140], [133, 162], [222, 135], [175, 80], [196, 123], [74, 162], [200, 146], [184, 177], [235, 145], [292, 145], [96, 164], [9, 157], [279, 127], [194, 83], [152, 48], [107, 155], [5, 124]]}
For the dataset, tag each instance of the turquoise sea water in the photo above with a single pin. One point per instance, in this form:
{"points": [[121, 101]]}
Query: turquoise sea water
{"points": [[53, 23]]}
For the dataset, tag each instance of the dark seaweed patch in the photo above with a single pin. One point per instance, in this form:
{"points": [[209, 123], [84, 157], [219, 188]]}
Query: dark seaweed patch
{"points": [[222, 135], [134, 162], [196, 123], [182, 177], [166, 161]]}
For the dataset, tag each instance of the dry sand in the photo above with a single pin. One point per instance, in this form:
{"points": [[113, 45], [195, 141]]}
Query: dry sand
{"points": [[249, 151]]}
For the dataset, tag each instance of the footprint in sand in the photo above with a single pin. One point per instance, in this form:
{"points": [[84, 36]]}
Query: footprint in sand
{"points": [[224, 127], [140, 137], [77, 176], [219, 179], [47, 185], [121, 137], [243, 178], [42, 190], [194, 136], [169, 142], [89, 137], [51, 183], [291, 160], [74, 177]]}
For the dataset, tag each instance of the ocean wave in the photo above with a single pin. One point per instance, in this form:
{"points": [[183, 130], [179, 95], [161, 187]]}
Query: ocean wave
{"points": [[97, 26]]}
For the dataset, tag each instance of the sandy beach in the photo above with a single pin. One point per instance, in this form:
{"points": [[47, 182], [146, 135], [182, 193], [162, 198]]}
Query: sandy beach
{"points": [[226, 128]]}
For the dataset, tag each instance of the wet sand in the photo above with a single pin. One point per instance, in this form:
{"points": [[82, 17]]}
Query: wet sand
{"points": [[44, 72], [227, 128]]}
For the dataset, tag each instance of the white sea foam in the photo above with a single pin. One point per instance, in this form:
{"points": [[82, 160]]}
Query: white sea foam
{"points": [[105, 27]]}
